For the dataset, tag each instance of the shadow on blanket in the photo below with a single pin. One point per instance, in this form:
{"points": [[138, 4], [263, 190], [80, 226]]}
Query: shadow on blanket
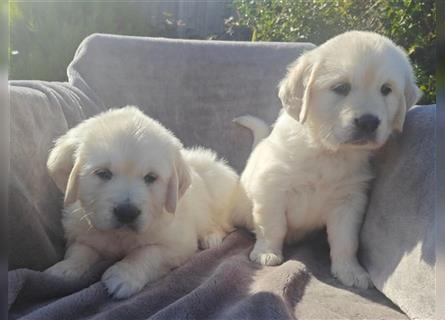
{"points": [[214, 284]]}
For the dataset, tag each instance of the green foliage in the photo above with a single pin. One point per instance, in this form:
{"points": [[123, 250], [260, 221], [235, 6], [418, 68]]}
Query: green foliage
{"points": [[441, 50], [45, 36], [409, 23]]}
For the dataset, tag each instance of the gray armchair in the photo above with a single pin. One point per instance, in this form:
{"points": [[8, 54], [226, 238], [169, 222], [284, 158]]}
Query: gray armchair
{"points": [[196, 88]]}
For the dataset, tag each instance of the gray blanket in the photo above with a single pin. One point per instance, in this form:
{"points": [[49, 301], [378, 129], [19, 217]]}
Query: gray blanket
{"points": [[213, 284], [196, 88]]}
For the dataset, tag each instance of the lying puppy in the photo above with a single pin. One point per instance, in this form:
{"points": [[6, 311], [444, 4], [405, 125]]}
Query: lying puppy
{"points": [[341, 101], [133, 193]]}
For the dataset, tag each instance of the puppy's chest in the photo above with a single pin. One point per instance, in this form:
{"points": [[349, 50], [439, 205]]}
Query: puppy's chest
{"points": [[316, 190]]}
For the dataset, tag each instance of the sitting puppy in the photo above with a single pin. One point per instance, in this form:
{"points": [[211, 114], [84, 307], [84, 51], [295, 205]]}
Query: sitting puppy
{"points": [[341, 101], [133, 193]]}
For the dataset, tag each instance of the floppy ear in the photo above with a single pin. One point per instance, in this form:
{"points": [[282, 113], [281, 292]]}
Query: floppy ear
{"points": [[63, 166], [294, 89], [61, 160], [71, 193], [411, 94], [178, 184]]}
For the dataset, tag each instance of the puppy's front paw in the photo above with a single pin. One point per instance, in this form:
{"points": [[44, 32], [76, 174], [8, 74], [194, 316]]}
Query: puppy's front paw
{"points": [[66, 269], [122, 281], [351, 274], [212, 240], [265, 257]]}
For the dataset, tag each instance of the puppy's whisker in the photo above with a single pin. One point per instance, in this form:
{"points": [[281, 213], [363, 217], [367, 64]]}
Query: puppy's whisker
{"points": [[86, 217], [76, 210], [89, 203], [328, 133]]}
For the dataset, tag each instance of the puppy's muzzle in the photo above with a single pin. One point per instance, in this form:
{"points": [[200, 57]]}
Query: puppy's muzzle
{"points": [[126, 213], [367, 124], [365, 128]]}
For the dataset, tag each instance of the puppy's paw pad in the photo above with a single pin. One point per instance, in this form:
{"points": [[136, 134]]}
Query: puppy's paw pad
{"points": [[66, 270], [352, 275], [266, 258], [120, 283], [212, 240]]}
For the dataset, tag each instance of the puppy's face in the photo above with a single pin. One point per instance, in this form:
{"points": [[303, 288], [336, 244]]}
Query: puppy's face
{"points": [[351, 92], [123, 181], [127, 170], [355, 100]]}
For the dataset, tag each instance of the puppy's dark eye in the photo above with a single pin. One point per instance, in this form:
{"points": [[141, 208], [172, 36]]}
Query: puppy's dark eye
{"points": [[104, 174], [150, 178], [385, 90], [342, 89]]}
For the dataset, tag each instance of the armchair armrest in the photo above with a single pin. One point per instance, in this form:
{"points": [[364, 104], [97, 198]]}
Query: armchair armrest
{"points": [[398, 233], [40, 112]]}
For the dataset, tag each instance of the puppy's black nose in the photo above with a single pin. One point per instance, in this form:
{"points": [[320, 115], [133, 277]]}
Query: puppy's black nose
{"points": [[126, 212], [367, 123]]}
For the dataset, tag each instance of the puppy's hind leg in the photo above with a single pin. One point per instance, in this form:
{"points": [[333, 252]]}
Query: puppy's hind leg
{"points": [[212, 239]]}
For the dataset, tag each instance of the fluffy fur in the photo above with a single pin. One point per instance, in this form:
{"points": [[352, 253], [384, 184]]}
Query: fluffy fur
{"points": [[313, 169], [189, 202]]}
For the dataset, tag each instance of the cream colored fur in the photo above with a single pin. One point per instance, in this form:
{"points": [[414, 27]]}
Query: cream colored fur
{"points": [[189, 204], [310, 172]]}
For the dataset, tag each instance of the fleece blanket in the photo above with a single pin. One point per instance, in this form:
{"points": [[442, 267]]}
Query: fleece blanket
{"points": [[195, 88], [214, 284]]}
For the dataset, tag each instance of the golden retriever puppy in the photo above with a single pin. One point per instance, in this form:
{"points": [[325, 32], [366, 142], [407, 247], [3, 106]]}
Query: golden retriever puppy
{"points": [[133, 194], [341, 101]]}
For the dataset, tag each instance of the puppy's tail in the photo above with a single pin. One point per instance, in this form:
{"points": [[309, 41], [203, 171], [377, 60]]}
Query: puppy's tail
{"points": [[259, 128]]}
